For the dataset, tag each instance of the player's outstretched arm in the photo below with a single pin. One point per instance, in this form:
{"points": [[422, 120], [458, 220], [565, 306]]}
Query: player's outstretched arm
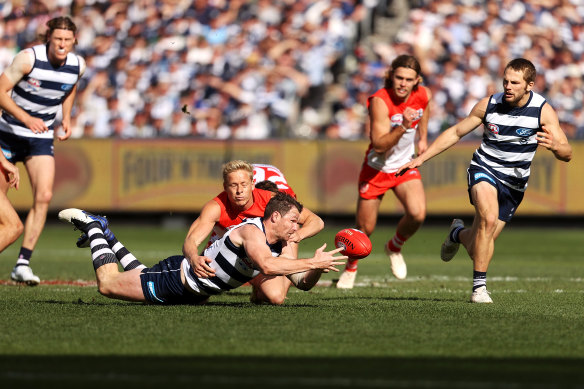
{"points": [[198, 233], [254, 243], [449, 137], [551, 136]]}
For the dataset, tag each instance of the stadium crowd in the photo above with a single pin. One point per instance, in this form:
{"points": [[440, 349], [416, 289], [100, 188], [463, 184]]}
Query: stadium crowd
{"points": [[255, 69]]}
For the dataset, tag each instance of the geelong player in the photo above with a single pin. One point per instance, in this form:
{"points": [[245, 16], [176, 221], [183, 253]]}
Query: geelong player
{"points": [[238, 201], [243, 252], [10, 225], [42, 79], [516, 121], [398, 114]]}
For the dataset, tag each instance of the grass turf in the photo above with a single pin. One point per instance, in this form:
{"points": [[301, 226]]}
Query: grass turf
{"points": [[420, 332]]}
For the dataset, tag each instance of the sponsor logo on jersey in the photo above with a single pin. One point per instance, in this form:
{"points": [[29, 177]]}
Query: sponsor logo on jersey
{"points": [[493, 128], [66, 87], [478, 176], [524, 131]]}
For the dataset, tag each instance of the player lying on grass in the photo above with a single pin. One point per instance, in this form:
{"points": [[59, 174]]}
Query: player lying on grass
{"points": [[243, 252]]}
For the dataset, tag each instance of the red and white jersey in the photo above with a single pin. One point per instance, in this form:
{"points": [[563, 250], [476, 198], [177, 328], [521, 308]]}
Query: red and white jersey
{"points": [[403, 151], [271, 173]]}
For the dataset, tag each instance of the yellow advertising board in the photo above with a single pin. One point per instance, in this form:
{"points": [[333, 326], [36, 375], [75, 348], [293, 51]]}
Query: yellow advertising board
{"points": [[166, 175]]}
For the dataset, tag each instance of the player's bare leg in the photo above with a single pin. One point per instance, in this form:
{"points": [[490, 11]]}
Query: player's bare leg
{"points": [[365, 220], [41, 172], [270, 289], [10, 225]]}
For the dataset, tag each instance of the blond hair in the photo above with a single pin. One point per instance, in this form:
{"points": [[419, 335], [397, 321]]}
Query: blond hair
{"points": [[233, 166]]}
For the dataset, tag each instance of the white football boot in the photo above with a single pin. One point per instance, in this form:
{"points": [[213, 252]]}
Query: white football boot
{"points": [[450, 248], [347, 280], [24, 274], [481, 296], [398, 265]]}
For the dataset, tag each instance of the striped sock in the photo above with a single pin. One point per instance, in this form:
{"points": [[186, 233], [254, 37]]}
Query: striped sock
{"points": [[479, 278], [396, 243], [126, 258], [100, 250], [455, 234], [23, 257], [351, 265]]}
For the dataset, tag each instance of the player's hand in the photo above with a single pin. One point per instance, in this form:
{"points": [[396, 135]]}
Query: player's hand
{"points": [[422, 146], [36, 125], [546, 139], [200, 266], [295, 237], [11, 172], [409, 116], [326, 260], [410, 165], [66, 130]]}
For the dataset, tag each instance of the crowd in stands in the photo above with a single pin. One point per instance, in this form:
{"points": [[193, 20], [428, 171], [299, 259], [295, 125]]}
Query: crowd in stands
{"points": [[257, 69]]}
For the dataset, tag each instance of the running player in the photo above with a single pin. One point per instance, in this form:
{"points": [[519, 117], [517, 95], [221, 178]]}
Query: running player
{"points": [[398, 113], [43, 79], [516, 122]]}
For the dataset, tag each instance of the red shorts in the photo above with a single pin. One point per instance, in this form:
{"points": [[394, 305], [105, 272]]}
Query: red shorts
{"points": [[373, 183]]}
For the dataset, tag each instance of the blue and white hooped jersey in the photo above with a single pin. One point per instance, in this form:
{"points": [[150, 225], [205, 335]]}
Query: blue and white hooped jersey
{"points": [[509, 140], [41, 92], [231, 264]]}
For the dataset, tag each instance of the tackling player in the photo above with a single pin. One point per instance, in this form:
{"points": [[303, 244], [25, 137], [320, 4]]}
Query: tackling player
{"points": [[238, 201], [244, 251]]}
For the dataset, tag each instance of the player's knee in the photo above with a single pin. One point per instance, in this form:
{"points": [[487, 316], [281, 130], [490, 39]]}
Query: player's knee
{"points": [[44, 197], [12, 229], [271, 298]]}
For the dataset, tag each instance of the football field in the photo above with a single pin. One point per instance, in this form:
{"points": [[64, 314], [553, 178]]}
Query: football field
{"points": [[417, 333]]}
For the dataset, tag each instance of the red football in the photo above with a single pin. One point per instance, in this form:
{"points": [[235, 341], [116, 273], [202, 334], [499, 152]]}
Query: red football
{"points": [[355, 243]]}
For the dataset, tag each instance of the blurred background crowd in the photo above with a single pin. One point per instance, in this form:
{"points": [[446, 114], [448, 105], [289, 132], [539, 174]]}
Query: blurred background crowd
{"points": [[258, 69]]}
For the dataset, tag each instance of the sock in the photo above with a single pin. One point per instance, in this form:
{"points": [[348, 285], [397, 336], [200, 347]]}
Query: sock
{"points": [[396, 243], [100, 250], [23, 257], [479, 278], [126, 258], [351, 265], [455, 234]]}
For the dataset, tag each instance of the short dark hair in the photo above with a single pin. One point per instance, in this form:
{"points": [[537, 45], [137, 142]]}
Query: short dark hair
{"points": [[267, 185], [402, 61], [281, 203], [525, 66]]}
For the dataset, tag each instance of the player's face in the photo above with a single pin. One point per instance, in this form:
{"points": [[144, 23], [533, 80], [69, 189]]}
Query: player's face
{"points": [[288, 224], [516, 89], [404, 80], [238, 186], [61, 43]]}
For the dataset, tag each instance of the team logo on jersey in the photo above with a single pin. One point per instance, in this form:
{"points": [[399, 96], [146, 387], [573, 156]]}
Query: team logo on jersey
{"points": [[524, 131], [34, 82], [66, 87], [493, 128], [363, 187], [396, 120]]}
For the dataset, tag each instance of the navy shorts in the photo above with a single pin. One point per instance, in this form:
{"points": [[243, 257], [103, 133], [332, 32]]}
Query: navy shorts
{"points": [[161, 284], [17, 148], [509, 199]]}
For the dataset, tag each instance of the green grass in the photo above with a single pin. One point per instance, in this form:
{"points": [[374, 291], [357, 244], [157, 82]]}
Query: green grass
{"points": [[420, 332]]}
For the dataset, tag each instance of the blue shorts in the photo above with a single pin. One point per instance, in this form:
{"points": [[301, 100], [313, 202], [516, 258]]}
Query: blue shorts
{"points": [[161, 284], [17, 148], [509, 199]]}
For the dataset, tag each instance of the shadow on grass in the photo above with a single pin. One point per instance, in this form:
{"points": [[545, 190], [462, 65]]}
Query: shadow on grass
{"points": [[228, 372]]}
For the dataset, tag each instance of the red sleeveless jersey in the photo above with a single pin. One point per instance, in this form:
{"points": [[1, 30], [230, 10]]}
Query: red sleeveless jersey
{"points": [[230, 217]]}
